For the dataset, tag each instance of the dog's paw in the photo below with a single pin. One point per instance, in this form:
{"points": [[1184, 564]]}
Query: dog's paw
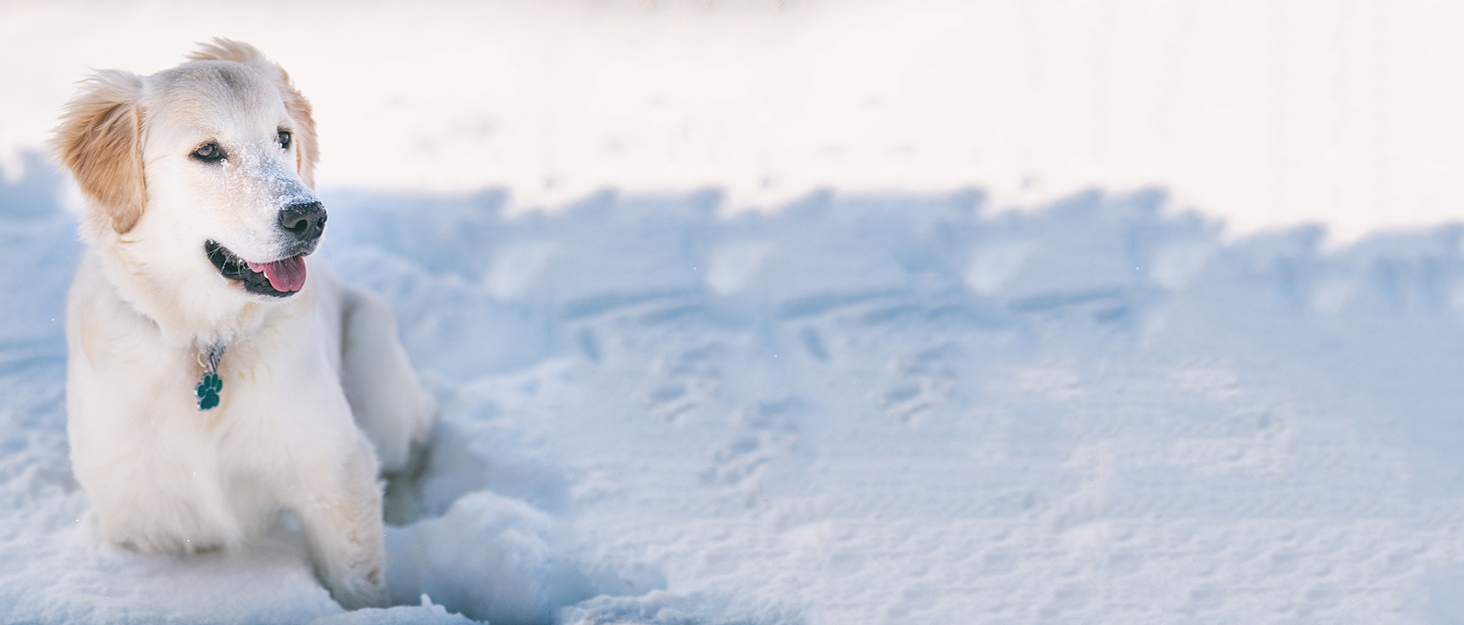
{"points": [[366, 589]]}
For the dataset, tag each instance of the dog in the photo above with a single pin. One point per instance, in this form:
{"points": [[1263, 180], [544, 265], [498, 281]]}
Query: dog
{"points": [[217, 374]]}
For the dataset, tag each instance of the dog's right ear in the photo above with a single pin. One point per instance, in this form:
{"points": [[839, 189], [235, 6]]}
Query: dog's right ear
{"points": [[100, 141]]}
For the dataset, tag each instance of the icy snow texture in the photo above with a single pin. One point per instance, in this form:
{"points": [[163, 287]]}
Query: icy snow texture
{"points": [[900, 409]]}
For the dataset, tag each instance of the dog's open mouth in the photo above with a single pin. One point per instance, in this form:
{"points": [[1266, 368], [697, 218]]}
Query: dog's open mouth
{"points": [[281, 278]]}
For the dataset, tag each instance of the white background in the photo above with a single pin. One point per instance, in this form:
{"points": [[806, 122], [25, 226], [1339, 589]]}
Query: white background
{"points": [[1264, 113]]}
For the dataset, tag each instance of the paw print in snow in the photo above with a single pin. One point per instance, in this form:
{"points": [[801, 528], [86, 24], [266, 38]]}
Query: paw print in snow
{"points": [[767, 435], [921, 384], [688, 382]]}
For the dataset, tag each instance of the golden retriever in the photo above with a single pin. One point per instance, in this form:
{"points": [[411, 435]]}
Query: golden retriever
{"points": [[218, 375]]}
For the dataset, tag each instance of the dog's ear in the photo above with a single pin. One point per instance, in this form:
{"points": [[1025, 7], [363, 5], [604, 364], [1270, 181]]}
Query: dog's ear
{"points": [[100, 141], [307, 147]]}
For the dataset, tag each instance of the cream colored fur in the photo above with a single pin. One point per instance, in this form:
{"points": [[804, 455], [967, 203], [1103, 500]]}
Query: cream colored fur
{"points": [[318, 397]]}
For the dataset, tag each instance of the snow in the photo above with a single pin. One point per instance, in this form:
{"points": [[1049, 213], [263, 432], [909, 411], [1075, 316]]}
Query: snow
{"points": [[858, 409], [889, 399]]}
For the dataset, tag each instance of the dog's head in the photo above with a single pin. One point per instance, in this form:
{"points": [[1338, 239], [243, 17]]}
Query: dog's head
{"points": [[205, 168]]}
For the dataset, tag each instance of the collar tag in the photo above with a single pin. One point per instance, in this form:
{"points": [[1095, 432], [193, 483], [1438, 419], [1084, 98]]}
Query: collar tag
{"points": [[211, 384]]}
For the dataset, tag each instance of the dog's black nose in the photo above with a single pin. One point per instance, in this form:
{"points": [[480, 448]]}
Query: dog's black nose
{"points": [[305, 220]]}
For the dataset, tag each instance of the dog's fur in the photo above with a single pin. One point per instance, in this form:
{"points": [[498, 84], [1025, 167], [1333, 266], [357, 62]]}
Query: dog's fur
{"points": [[317, 395]]}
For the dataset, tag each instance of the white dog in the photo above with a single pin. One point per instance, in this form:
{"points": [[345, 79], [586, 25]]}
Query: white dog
{"points": [[216, 377]]}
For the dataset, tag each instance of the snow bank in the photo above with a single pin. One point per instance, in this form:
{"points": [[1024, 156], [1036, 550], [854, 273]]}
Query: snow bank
{"points": [[859, 409]]}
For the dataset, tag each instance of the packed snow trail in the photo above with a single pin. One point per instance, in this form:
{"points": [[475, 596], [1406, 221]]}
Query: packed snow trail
{"points": [[854, 410]]}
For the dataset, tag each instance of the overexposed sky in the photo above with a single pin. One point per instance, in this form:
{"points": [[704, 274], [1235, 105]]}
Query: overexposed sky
{"points": [[1264, 113]]}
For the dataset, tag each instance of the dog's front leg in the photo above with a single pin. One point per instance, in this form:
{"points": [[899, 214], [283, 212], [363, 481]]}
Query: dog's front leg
{"points": [[341, 516]]}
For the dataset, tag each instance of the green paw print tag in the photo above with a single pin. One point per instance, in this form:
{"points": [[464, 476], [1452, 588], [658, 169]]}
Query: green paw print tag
{"points": [[208, 391], [209, 386]]}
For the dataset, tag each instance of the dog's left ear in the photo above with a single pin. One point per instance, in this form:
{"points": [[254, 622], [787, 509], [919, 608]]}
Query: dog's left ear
{"points": [[100, 141], [307, 147]]}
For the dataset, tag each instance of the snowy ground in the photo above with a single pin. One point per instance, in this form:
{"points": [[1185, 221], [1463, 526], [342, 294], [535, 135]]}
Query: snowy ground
{"points": [[886, 401], [892, 409]]}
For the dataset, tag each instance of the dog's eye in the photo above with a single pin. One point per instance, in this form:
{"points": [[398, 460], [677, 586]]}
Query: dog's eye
{"points": [[209, 153], [285, 139]]}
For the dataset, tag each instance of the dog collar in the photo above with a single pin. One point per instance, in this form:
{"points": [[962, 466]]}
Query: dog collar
{"points": [[211, 384]]}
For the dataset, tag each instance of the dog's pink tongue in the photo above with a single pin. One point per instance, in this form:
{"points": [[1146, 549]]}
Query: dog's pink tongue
{"points": [[284, 275]]}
